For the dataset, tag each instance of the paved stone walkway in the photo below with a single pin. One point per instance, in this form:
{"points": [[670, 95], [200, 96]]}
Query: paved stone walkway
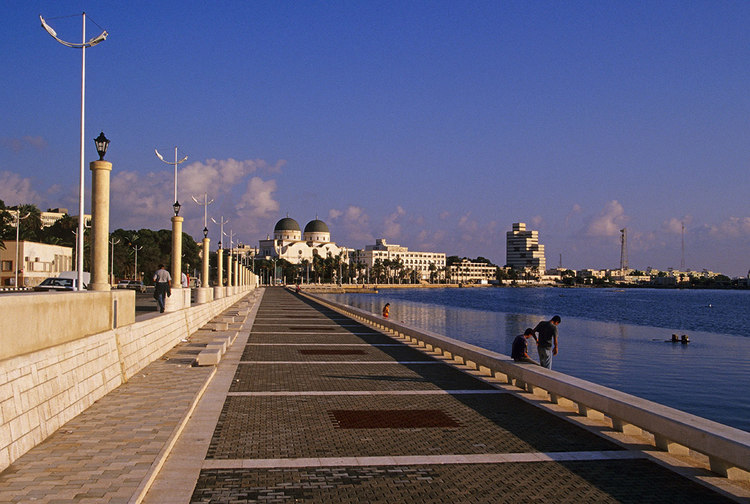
{"points": [[310, 406], [110, 452], [319, 408]]}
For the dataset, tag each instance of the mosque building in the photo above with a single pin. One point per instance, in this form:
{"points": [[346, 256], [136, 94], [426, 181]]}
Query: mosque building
{"points": [[291, 244]]}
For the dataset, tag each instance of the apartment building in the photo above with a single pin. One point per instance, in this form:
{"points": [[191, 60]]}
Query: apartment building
{"points": [[523, 250]]}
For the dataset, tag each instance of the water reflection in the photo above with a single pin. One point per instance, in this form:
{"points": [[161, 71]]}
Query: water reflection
{"points": [[703, 377]]}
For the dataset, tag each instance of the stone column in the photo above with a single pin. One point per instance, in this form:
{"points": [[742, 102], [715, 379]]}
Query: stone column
{"points": [[236, 272], [204, 294], [100, 171], [229, 273], [206, 254], [177, 252], [218, 288], [220, 267]]}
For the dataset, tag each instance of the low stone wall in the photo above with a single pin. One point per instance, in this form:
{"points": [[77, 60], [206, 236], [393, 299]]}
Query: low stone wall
{"points": [[55, 376], [32, 322], [727, 448]]}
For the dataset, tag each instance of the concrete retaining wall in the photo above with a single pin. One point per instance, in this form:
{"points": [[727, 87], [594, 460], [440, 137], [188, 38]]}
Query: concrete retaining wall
{"points": [[727, 448], [31, 322], [46, 384]]}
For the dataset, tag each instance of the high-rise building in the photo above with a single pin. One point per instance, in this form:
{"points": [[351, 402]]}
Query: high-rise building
{"points": [[523, 251]]}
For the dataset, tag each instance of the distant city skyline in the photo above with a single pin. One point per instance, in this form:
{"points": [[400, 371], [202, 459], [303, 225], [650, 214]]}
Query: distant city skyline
{"points": [[435, 125]]}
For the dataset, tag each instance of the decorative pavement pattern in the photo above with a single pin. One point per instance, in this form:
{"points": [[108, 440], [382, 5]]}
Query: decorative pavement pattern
{"points": [[310, 406], [323, 409]]}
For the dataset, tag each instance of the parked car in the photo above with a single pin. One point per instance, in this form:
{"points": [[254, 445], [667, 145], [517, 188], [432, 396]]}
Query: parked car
{"points": [[136, 285], [55, 284]]}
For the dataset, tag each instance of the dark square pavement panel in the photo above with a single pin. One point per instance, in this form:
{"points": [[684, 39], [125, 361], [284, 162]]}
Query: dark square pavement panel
{"points": [[304, 426]]}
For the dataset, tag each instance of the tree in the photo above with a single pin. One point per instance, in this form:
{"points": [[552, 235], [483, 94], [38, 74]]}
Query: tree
{"points": [[6, 224], [61, 232], [377, 270], [433, 270], [451, 260], [30, 228]]}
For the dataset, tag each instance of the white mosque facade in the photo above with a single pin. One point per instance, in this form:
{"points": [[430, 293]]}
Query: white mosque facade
{"points": [[295, 246]]}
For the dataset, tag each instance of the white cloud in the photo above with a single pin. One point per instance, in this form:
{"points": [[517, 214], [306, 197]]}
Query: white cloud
{"points": [[674, 225], [733, 227], [609, 221], [15, 190], [354, 226], [145, 200], [19, 144], [217, 176], [334, 214], [139, 200], [391, 226], [575, 210], [258, 199]]}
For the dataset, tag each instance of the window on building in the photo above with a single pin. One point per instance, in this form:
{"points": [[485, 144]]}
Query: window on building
{"points": [[7, 266]]}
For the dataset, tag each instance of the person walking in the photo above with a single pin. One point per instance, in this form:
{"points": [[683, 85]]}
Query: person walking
{"points": [[162, 279], [519, 351], [386, 310], [546, 343]]}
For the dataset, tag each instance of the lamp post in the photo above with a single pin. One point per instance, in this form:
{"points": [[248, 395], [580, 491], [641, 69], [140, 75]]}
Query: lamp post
{"points": [[176, 247], [135, 266], [81, 190], [206, 240], [229, 261], [112, 243], [100, 172], [176, 203], [18, 246], [220, 253]]}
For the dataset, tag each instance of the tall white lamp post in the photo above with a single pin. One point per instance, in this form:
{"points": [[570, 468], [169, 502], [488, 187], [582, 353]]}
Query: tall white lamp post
{"points": [[175, 163], [176, 225], [112, 243], [219, 255], [135, 266], [82, 46], [18, 247]]}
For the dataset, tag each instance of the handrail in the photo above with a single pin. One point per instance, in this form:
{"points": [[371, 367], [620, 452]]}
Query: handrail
{"points": [[727, 448]]}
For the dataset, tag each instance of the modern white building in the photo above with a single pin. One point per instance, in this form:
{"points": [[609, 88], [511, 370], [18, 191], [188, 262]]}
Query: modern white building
{"points": [[51, 216], [467, 271], [36, 261], [416, 261], [523, 251], [291, 244]]}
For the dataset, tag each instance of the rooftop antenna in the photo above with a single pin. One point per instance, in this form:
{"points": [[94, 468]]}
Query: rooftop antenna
{"points": [[623, 249]]}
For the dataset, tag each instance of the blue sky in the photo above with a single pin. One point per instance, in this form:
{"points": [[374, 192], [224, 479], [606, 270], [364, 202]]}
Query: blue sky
{"points": [[434, 124]]}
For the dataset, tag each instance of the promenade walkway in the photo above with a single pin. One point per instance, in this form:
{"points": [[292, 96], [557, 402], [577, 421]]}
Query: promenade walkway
{"points": [[310, 406]]}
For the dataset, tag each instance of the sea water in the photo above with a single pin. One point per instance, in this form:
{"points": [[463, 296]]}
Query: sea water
{"points": [[614, 337]]}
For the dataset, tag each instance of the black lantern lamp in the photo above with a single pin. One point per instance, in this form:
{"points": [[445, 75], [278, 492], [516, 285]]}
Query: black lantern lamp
{"points": [[176, 208], [101, 145], [205, 232], [219, 244]]}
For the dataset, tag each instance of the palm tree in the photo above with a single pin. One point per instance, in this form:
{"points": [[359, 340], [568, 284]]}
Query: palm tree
{"points": [[377, 269], [31, 226], [6, 224]]}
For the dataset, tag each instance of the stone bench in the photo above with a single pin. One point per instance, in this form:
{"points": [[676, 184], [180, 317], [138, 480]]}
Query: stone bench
{"points": [[209, 356], [216, 326]]}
